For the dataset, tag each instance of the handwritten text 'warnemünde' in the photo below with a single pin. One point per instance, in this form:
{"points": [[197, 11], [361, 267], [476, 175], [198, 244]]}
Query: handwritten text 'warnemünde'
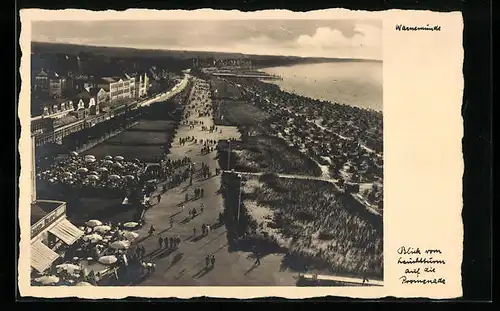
{"points": [[418, 28]]}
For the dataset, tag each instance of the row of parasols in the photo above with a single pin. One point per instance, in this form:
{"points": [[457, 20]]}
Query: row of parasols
{"points": [[94, 237], [91, 158]]}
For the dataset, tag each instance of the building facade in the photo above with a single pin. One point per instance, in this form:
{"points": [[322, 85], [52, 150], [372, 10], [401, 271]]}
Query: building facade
{"points": [[119, 88], [58, 86]]}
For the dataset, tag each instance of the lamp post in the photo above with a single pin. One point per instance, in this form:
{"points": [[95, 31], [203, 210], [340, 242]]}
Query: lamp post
{"points": [[239, 201], [228, 154]]}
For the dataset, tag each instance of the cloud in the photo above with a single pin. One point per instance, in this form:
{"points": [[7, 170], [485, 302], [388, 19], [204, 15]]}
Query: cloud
{"points": [[365, 37], [307, 38]]}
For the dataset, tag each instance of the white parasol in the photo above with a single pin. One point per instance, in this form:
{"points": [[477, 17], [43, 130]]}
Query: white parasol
{"points": [[108, 157], [82, 170], [102, 228], [120, 244], [73, 153], [47, 279], [92, 238], [102, 169], [107, 260], [70, 268], [116, 164], [130, 224], [130, 235], [89, 156], [93, 223], [90, 160], [93, 177], [114, 177], [119, 158]]}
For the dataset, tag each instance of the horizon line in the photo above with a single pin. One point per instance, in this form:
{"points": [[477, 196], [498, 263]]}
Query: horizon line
{"points": [[198, 51]]}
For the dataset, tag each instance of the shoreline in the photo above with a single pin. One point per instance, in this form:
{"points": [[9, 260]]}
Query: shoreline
{"points": [[329, 101]]}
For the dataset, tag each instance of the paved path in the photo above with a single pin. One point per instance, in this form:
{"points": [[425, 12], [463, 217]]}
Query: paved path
{"points": [[179, 87], [281, 175], [344, 279], [186, 265]]}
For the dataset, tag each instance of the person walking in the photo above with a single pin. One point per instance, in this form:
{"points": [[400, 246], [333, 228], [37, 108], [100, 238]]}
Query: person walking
{"points": [[202, 192], [160, 242], [151, 230], [203, 229], [207, 261], [165, 241], [159, 198], [178, 241], [212, 261], [257, 259], [194, 231], [171, 221]]}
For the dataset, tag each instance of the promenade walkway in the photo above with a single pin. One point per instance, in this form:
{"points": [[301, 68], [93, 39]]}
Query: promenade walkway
{"points": [[186, 265]]}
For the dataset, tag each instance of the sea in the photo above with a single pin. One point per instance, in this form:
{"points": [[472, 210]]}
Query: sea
{"points": [[352, 83]]}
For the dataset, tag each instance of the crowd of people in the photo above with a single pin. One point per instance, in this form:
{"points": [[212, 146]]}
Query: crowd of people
{"points": [[349, 140], [312, 215], [88, 172]]}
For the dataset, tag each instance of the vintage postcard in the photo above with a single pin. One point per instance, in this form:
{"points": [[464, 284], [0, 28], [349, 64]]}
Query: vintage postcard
{"points": [[240, 154]]}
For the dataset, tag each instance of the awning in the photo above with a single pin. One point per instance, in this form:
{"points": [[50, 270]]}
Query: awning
{"points": [[67, 232], [42, 256]]}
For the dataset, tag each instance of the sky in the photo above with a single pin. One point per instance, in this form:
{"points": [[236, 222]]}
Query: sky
{"points": [[305, 38]]}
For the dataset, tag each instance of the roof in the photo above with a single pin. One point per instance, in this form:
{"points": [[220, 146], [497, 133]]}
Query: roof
{"points": [[40, 209], [42, 73], [84, 95], [94, 90], [110, 79]]}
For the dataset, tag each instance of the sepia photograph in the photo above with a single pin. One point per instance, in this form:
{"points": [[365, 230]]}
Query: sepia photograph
{"points": [[191, 152]]}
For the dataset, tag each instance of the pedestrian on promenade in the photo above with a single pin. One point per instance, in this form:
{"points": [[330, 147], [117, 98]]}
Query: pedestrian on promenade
{"points": [[208, 229], [365, 279], [194, 231], [165, 241], [212, 260], [202, 192], [160, 242], [159, 199], [172, 243], [194, 212], [207, 261], [186, 197], [171, 221], [203, 229], [151, 230], [257, 259], [143, 267], [153, 266]]}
